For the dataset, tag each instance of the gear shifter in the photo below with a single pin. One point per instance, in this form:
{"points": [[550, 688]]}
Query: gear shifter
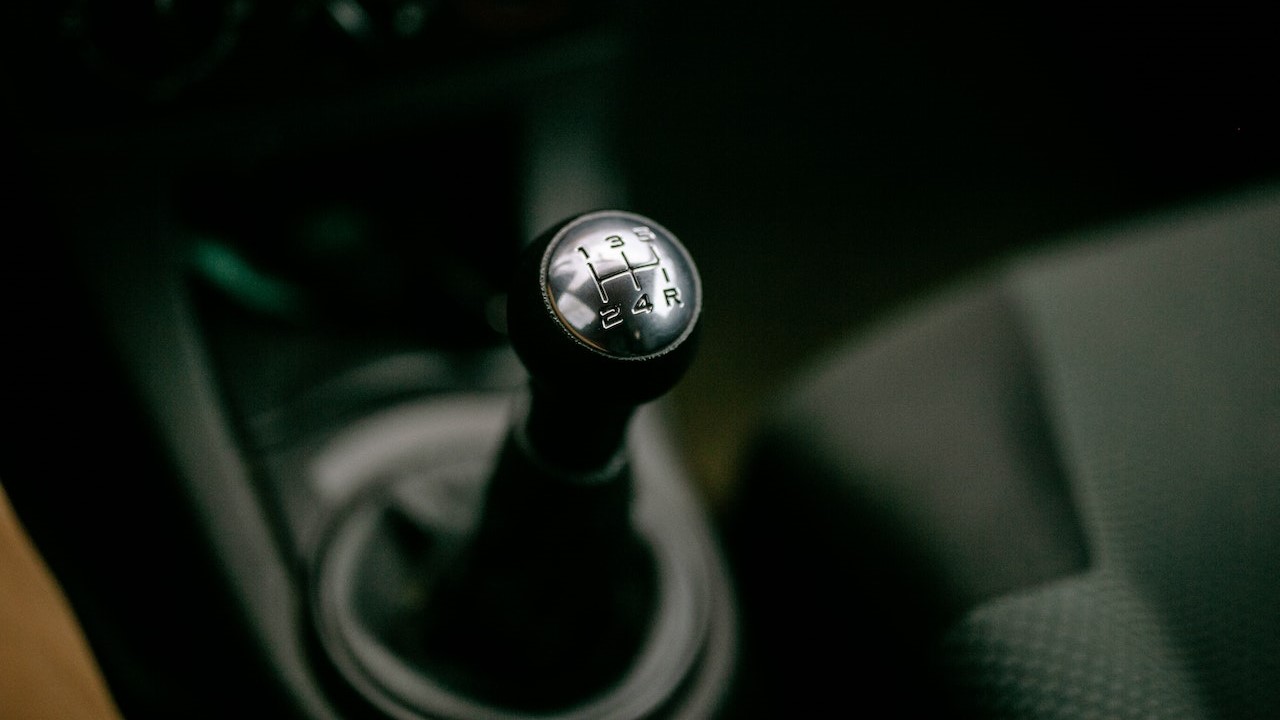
{"points": [[579, 586], [554, 594], [604, 314]]}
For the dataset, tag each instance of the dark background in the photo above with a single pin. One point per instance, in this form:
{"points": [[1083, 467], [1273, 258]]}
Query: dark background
{"points": [[825, 164], [840, 162]]}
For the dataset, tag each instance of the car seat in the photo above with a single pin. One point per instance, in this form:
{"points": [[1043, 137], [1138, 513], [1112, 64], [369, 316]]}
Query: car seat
{"points": [[1052, 492]]}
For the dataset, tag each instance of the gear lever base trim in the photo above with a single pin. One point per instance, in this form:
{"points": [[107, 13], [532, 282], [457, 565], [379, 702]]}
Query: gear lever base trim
{"points": [[432, 487]]}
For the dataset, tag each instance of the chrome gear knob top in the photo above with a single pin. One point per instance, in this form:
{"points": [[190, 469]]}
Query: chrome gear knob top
{"points": [[606, 303], [621, 284]]}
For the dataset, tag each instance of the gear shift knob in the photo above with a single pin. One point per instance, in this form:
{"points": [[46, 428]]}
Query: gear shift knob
{"points": [[582, 586], [558, 590], [603, 311]]}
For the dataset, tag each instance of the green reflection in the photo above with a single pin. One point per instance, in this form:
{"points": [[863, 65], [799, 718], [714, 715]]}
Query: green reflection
{"points": [[230, 272]]}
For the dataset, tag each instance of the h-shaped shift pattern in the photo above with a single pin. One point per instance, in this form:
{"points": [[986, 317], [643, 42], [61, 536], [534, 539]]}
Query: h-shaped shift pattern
{"points": [[620, 284]]}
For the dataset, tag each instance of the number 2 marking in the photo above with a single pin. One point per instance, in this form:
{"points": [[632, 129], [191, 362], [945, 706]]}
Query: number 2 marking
{"points": [[610, 316]]}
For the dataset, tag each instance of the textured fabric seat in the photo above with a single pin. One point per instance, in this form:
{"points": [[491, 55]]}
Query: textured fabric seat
{"points": [[1052, 493]]}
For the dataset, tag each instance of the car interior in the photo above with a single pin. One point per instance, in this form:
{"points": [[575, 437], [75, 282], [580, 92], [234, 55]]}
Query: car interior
{"points": [[460, 359]]}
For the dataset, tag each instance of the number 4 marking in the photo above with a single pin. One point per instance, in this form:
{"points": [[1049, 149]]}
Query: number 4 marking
{"points": [[642, 305]]}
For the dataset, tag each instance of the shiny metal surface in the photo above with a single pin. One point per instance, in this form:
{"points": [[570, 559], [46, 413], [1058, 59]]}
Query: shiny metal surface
{"points": [[621, 284]]}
